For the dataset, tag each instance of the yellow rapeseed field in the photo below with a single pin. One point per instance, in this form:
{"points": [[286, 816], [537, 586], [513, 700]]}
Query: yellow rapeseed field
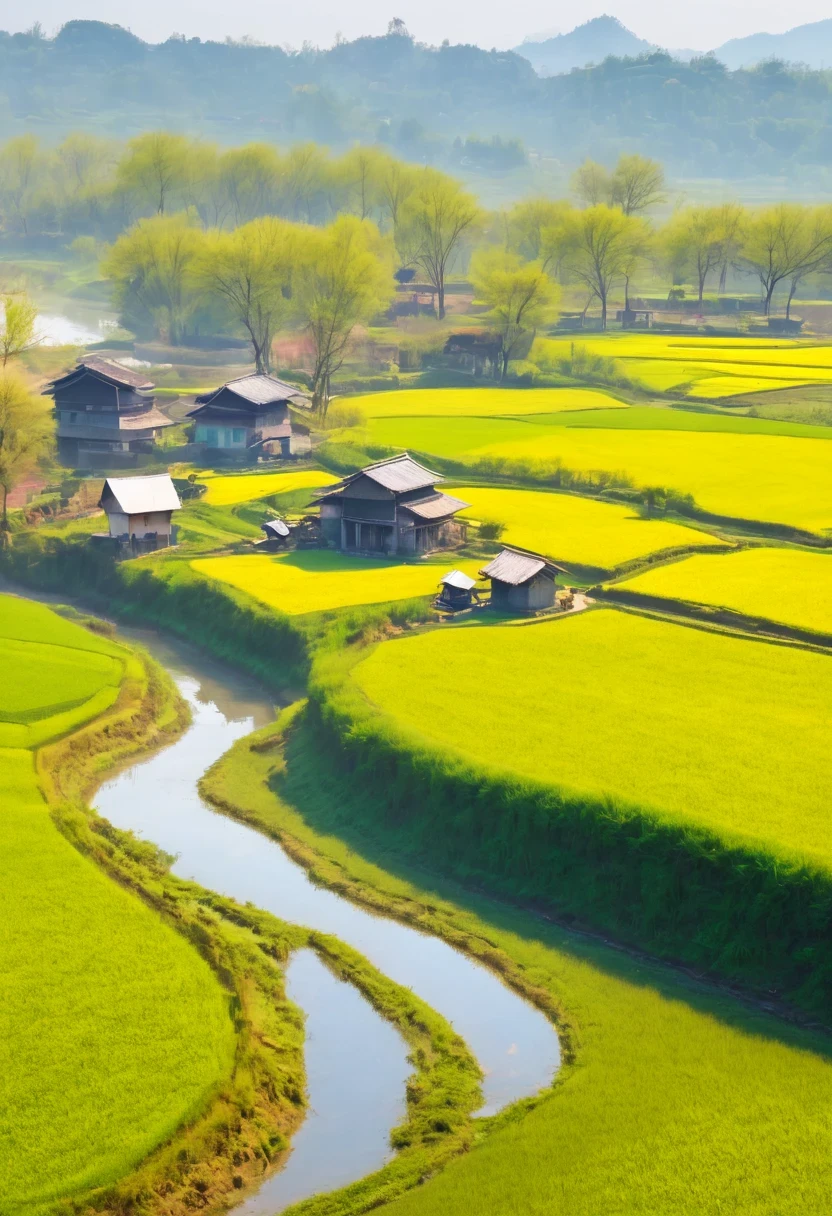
{"points": [[727, 733], [315, 581], [572, 529], [481, 402], [226, 489], [789, 586]]}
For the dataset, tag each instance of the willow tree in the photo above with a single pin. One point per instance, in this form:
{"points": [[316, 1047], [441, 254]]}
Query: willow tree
{"points": [[694, 243], [603, 247], [154, 169], [18, 334], [154, 264], [343, 277], [520, 298], [250, 270], [784, 243], [26, 431], [436, 217]]}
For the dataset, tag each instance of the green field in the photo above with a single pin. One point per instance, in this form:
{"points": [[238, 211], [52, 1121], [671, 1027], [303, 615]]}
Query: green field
{"points": [[481, 401], [748, 469], [224, 490], [680, 1101], [115, 1030], [596, 700], [789, 586], [705, 366], [572, 529], [317, 581]]}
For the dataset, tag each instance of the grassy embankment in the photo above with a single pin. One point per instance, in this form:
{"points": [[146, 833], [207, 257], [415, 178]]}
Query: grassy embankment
{"points": [[668, 821], [788, 586], [116, 1031], [651, 1109], [747, 469], [158, 1028]]}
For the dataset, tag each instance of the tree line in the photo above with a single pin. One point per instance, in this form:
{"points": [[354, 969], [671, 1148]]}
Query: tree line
{"points": [[700, 118]]}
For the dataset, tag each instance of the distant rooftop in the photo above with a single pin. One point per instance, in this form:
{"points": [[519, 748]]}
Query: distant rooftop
{"points": [[518, 566], [142, 495]]}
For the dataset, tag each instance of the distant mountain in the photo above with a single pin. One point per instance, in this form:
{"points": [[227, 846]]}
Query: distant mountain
{"points": [[592, 42], [810, 44]]}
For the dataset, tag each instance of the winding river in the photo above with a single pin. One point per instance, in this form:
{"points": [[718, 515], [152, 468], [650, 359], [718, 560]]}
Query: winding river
{"points": [[356, 1062]]}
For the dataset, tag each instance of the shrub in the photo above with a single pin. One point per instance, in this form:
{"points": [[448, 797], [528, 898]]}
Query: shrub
{"points": [[491, 529]]}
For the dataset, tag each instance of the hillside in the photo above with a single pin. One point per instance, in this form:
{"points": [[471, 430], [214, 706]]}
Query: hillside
{"points": [[592, 42], [807, 44]]}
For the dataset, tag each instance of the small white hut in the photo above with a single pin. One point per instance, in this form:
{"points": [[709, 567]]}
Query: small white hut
{"points": [[140, 508]]}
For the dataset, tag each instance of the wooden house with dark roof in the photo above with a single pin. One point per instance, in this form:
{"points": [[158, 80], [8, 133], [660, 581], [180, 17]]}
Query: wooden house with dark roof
{"points": [[105, 413], [521, 581], [391, 507], [246, 417]]}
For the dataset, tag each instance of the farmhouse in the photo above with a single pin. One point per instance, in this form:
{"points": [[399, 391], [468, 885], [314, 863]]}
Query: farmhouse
{"points": [[140, 508], [392, 506], [521, 581], [105, 414], [247, 417]]}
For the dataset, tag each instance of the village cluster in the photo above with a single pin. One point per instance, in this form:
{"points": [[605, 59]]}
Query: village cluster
{"points": [[391, 508]]}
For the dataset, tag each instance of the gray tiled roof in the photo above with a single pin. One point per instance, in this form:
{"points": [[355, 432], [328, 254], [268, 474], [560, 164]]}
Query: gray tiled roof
{"points": [[435, 508], [258, 389], [515, 567]]}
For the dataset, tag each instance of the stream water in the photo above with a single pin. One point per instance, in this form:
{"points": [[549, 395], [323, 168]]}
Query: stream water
{"points": [[356, 1062]]}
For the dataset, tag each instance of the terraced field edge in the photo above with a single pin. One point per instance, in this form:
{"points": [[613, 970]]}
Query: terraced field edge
{"points": [[679, 891]]}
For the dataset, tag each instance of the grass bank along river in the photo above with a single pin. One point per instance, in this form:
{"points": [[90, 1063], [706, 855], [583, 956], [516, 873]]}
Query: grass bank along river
{"points": [[357, 1090]]}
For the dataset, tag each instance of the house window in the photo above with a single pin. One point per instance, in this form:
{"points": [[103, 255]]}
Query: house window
{"points": [[73, 416], [211, 437], [238, 435]]}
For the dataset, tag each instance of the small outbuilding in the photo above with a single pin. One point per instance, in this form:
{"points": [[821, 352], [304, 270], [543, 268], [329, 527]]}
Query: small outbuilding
{"points": [[140, 508], [458, 591], [277, 533], [521, 581]]}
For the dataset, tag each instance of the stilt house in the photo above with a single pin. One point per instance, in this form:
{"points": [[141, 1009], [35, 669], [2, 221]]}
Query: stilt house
{"points": [[521, 581], [246, 417], [140, 508], [105, 413], [391, 507]]}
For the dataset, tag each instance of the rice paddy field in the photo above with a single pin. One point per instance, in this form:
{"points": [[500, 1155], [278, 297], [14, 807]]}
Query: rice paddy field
{"points": [[483, 402], [114, 1030], [680, 1101], [789, 586], [316, 581], [227, 489], [716, 368], [597, 700], [577, 530], [748, 469]]}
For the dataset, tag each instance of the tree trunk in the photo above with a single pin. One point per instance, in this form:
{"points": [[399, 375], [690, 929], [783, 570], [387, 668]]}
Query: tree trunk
{"points": [[626, 293], [767, 302], [701, 288], [440, 299], [603, 312], [792, 290], [504, 356], [723, 278]]}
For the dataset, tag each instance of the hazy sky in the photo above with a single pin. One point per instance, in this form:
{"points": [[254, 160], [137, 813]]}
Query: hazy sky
{"points": [[700, 25]]}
